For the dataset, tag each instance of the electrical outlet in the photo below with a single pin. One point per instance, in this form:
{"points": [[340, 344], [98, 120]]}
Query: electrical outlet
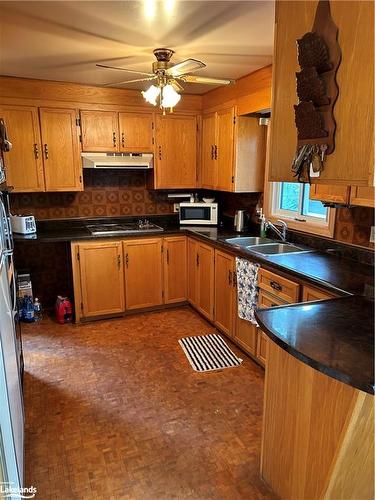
{"points": [[372, 234], [176, 207]]}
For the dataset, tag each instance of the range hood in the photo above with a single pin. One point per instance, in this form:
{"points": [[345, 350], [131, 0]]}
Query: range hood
{"points": [[136, 161]]}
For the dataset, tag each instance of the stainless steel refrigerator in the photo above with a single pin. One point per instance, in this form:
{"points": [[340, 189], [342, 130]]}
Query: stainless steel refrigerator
{"points": [[11, 397]]}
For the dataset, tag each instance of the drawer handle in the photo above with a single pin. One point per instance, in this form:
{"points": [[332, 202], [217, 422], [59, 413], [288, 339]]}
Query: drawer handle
{"points": [[36, 151], [276, 286], [123, 139], [119, 261], [197, 259], [127, 260], [160, 153], [46, 151], [229, 277], [216, 154], [114, 139], [167, 256], [212, 152]]}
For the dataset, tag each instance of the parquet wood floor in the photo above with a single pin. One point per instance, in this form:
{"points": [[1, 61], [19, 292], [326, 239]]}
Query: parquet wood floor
{"points": [[114, 411]]}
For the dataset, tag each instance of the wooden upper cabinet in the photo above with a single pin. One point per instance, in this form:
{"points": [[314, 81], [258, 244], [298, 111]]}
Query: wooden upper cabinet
{"points": [[136, 132], [233, 152], [330, 193], [61, 149], [225, 292], [24, 163], [175, 269], [102, 278], [362, 196], [208, 173], [225, 146], [100, 131], [143, 273], [352, 162], [176, 152]]}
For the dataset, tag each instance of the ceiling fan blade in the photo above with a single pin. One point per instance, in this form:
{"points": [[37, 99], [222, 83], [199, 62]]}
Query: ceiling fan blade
{"points": [[176, 85], [186, 66], [124, 69], [130, 81], [206, 80]]}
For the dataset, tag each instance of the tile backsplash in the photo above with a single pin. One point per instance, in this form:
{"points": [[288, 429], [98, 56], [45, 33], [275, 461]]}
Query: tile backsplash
{"points": [[107, 193], [353, 225]]}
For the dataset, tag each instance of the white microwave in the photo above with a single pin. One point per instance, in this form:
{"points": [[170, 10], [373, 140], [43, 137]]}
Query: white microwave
{"points": [[198, 213]]}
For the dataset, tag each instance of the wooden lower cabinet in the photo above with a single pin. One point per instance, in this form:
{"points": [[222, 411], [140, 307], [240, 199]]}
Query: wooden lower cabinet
{"points": [[143, 272], [201, 277], [262, 340], [246, 335], [175, 269], [225, 293], [205, 280], [99, 268]]}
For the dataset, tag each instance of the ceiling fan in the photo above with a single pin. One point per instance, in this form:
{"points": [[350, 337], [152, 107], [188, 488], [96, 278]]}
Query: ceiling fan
{"points": [[168, 78]]}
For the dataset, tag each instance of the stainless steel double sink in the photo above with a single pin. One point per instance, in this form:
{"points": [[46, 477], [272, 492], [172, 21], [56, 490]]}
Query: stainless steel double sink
{"points": [[263, 246]]}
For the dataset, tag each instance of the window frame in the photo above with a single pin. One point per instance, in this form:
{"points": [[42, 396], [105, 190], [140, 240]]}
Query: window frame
{"points": [[309, 224]]}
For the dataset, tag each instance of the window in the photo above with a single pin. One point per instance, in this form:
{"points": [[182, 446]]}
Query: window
{"points": [[292, 199], [291, 202]]}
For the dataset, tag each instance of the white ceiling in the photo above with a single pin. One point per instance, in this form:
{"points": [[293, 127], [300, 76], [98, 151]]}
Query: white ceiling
{"points": [[63, 40]]}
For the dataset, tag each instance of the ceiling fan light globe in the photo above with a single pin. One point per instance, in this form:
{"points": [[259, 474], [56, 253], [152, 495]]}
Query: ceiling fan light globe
{"points": [[151, 94], [170, 97]]}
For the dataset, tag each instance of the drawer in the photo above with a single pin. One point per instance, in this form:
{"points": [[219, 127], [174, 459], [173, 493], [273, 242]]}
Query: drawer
{"points": [[310, 294], [279, 286], [267, 300]]}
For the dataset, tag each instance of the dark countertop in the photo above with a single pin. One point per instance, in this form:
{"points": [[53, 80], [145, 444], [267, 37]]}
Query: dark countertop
{"points": [[335, 337], [338, 275]]}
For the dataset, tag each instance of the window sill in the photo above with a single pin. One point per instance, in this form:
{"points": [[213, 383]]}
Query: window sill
{"points": [[326, 230]]}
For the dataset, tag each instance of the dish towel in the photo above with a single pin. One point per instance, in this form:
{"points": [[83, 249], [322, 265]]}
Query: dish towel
{"points": [[247, 289]]}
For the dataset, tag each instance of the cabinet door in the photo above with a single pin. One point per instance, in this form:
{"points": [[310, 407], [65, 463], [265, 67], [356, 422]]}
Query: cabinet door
{"points": [[143, 273], [24, 164], [176, 152], [224, 292], [362, 196], [175, 269], [246, 335], [332, 193], [225, 147], [206, 280], [353, 159], [61, 149], [192, 277], [99, 131], [136, 132], [262, 347], [102, 278], [209, 164]]}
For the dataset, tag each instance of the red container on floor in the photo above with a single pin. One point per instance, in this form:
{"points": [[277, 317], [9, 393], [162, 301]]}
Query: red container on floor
{"points": [[64, 310]]}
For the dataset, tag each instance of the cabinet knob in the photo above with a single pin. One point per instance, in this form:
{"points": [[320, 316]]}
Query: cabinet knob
{"points": [[127, 260], [46, 151], [119, 261], [114, 139], [123, 139], [216, 153], [36, 151], [160, 153], [212, 152]]}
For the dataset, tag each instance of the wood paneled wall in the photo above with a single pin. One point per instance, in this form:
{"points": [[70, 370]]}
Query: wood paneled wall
{"points": [[250, 93]]}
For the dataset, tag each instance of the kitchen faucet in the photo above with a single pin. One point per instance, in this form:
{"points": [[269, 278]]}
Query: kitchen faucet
{"points": [[281, 233]]}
